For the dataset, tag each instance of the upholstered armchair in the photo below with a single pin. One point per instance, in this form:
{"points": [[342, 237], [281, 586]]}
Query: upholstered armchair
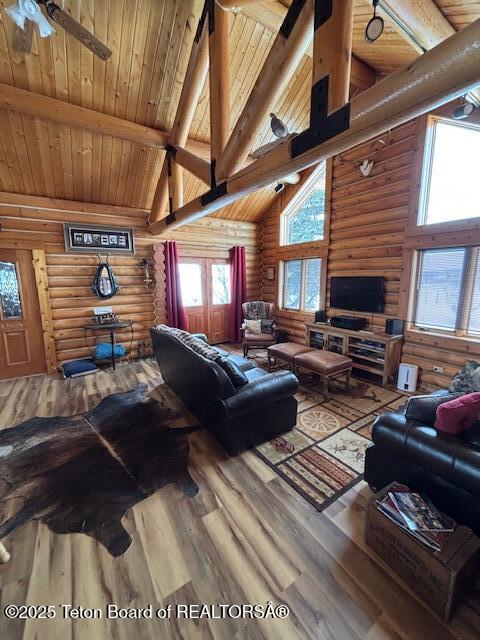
{"points": [[258, 310]]}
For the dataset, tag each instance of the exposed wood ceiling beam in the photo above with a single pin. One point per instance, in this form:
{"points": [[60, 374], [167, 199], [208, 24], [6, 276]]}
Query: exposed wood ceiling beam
{"points": [[74, 206], [282, 61], [271, 13], [219, 53], [421, 23], [39, 106], [434, 78], [197, 166]]}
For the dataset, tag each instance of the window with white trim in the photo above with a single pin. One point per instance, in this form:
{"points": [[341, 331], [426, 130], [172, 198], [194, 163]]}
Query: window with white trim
{"points": [[304, 218], [301, 284], [447, 292], [450, 178]]}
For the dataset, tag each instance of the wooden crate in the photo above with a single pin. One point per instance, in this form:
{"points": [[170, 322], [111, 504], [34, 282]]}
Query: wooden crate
{"points": [[440, 578]]}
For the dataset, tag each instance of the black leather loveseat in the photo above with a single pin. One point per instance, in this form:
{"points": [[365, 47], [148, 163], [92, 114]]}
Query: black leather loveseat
{"points": [[239, 417], [409, 450]]}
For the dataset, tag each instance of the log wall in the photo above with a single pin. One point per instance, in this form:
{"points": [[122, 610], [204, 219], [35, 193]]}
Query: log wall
{"points": [[368, 231], [69, 276]]}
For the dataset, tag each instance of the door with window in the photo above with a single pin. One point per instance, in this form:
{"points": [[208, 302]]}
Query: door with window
{"points": [[21, 342], [205, 286]]}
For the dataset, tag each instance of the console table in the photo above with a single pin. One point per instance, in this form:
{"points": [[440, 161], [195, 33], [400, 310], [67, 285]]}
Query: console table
{"points": [[376, 352]]}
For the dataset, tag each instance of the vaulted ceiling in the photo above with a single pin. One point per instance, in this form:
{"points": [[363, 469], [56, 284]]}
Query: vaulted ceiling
{"points": [[141, 82]]}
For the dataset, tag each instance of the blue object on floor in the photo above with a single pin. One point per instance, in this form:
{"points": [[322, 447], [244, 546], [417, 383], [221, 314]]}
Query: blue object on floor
{"points": [[76, 368], [103, 350]]}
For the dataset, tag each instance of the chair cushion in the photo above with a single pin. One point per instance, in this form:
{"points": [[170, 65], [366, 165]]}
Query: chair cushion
{"points": [[253, 326], [267, 326], [459, 414], [287, 350], [257, 309], [467, 379], [323, 362]]}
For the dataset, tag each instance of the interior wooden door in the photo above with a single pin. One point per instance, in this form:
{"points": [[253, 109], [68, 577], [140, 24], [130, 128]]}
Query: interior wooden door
{"points": [[21, 342], [205, 286], [218, 282], [194, 293]]}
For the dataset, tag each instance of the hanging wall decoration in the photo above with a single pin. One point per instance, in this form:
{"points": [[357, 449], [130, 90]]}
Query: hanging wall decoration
{"points": [[90, 238], [104, 284]]}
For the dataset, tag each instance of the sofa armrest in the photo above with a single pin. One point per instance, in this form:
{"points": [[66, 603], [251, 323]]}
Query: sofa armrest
{"points": [[264, 390], [424, 408]]}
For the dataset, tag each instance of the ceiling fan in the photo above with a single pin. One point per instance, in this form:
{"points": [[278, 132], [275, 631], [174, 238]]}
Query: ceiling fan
{"points": [[26, 12]]}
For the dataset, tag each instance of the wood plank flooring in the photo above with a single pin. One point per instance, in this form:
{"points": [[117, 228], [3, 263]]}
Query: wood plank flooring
{"points": [[247, 538]]}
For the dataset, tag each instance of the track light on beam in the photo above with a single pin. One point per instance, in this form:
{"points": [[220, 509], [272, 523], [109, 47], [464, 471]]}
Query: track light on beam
{"points": [[463, 111]]}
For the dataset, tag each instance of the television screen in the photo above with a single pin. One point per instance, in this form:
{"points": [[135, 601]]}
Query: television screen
{"points": [[357, 294]]}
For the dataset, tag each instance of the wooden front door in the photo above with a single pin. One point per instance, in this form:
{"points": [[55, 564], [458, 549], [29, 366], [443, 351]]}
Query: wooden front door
{"points": [[21, 342], [206, 296]]}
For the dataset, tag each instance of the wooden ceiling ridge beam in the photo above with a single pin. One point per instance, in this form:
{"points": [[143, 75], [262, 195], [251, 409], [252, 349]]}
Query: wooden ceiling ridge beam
{"points": [[219, 75], [292, 40], [195, 77], [438, 76], [271, 13]]}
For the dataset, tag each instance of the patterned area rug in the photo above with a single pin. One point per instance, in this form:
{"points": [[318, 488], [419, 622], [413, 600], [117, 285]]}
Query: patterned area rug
{"points": [[324, 454]]}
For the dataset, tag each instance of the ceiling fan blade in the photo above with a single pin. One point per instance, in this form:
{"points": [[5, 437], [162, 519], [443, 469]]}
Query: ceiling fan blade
{"points": [[22, 38], [78, 31]]}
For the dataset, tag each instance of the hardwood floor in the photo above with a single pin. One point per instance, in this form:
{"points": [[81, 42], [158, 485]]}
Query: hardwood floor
{"points": [[247, 538]]}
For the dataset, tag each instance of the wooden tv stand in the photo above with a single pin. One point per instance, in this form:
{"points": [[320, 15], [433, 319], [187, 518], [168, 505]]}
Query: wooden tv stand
{"points": [[376, 352]]}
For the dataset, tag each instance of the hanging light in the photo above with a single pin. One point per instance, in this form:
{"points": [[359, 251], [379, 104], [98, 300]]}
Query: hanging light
{"points": [[375, 26]]}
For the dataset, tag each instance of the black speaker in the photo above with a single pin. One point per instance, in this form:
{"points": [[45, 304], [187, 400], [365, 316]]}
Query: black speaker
{"points": [[320, 316], [394, 327]]}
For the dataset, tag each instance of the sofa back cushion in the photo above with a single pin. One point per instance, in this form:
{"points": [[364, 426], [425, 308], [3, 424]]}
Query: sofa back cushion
{"points": [[459, 414], [233, 371]]}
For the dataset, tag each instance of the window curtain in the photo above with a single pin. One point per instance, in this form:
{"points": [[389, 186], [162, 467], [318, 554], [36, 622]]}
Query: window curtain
{"points": [[176, 316], [238, 288]]}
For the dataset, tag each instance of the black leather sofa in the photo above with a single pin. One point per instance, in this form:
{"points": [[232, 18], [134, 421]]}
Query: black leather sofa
{"points": [[408, 449], [238, 417]]}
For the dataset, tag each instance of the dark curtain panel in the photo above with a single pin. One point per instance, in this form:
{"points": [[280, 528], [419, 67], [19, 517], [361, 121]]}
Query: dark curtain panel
{"points": [[176, 316], [238, 282]]}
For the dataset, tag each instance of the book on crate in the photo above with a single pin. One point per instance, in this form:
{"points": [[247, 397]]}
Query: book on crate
{"points": [[416, 514]]}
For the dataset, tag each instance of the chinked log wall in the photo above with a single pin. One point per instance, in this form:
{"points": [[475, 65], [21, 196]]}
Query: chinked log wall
{"points": [[70, 275], [368, 221]]}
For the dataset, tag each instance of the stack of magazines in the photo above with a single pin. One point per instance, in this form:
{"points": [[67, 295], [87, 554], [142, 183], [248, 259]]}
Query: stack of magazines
{"points": [[416, 514]]}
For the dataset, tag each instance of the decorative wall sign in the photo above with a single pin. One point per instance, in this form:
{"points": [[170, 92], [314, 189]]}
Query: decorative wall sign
{"points": [[95, 238], [270, 273]]}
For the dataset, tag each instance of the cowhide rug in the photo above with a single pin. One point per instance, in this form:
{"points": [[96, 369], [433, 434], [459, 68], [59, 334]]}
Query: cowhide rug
{"points": [[82, 473]]}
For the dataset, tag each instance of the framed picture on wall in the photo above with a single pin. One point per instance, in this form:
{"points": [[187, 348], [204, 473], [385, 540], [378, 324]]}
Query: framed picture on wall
{"points": [[95, 238]]}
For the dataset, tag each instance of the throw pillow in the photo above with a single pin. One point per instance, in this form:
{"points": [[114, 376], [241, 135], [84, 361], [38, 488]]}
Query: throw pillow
{"points": [[233, 371], [267, 326], [458, 415], [467, 379], [253, 326]]}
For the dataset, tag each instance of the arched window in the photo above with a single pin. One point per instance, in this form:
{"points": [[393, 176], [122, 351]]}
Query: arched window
{"points": [[304, 218]]}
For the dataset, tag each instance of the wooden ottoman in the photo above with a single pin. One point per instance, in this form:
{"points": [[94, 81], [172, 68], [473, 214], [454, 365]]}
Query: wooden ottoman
{"points": [[286, 352], [326, 364]]}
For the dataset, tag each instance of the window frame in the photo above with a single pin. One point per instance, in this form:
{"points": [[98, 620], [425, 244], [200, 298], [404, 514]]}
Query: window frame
{"points": [[466, 293], [303, 282], [292, 208], [426, 165]]}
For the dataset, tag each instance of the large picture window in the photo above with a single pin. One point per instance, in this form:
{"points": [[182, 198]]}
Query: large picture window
{"points": [[304, 218], [447, 295], [301, 284], [450, 184]]}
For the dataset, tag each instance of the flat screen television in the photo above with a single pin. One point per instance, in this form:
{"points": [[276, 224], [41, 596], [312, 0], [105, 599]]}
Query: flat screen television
{"points": [[357, 294]]}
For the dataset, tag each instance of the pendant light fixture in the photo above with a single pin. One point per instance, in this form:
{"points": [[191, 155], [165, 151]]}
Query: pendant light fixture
{"points": [[375, 26]]}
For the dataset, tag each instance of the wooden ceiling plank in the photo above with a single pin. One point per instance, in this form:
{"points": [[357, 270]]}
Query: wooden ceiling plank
{"points": [[438, 76], [283, 59]]}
